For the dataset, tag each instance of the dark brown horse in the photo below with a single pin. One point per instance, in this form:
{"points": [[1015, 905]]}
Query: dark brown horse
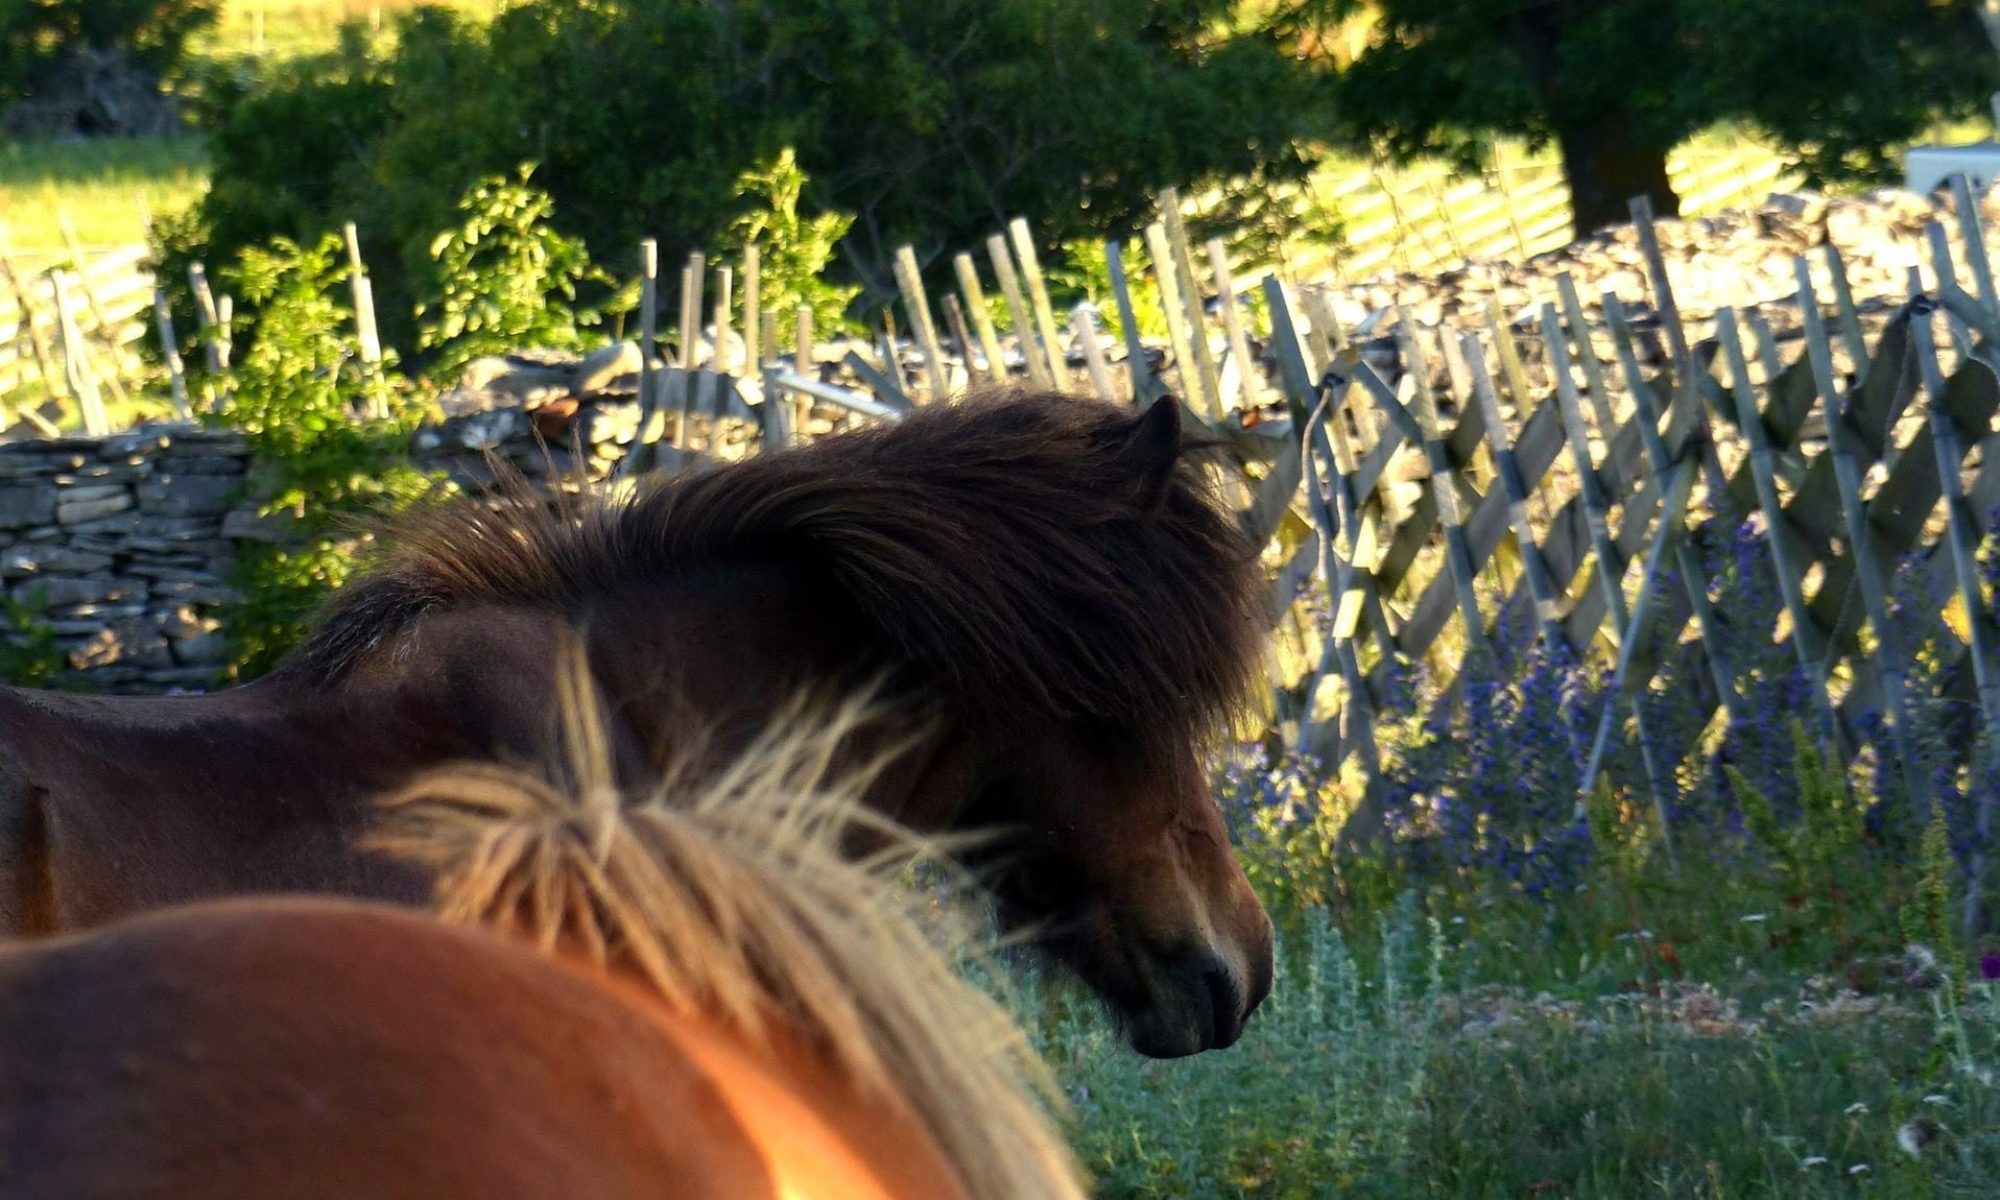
{"points": [[1046, 584], [703, 1000]]}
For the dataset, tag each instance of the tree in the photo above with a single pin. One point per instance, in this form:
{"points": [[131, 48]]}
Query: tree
{"points": [[93, 61], [1616, 84], [931, 121]]}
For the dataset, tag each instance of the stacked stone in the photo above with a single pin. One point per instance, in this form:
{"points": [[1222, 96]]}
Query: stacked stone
{"points": [[118, 546], [1741, 258]]}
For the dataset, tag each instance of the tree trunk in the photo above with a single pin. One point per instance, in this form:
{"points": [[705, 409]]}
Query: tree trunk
{"points": [[1607, 164]]}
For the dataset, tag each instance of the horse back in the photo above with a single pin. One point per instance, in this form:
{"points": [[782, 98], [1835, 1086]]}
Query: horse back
{"points": [[109, 805], [322, 1048]]}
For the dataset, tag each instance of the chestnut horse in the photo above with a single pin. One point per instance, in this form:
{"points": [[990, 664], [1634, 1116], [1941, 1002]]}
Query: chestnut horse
{"points": [[696, 1000], [1046, 584]]}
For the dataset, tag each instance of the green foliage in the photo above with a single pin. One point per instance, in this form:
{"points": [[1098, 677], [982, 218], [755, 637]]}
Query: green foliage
{"points": [[1618, 83], [325, 454], [930, 123], [794, 251], [29, 655], [1927, 916], [505, 278], [40, 40]]}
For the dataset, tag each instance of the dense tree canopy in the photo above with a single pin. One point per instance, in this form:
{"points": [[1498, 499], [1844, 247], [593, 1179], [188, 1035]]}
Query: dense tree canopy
{"points": [[930, 120], [51, 46], [1616, 84]]}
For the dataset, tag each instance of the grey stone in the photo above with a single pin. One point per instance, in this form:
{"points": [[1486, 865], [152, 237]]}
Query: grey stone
{"points": [[77, 505], [28, 560], [599, 368], [27, 504], [197, 678], [187, 495], [136, 442], [203, 650], [106, 530], [202, 464]]}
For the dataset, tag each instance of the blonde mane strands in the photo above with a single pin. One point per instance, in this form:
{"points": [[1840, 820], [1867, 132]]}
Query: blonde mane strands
{"points": [[733, 900]]}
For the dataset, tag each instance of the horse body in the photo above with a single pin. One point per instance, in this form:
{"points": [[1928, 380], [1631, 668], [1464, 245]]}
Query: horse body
{"points": [[688, 994], [305, 1048], [1041, 585]]}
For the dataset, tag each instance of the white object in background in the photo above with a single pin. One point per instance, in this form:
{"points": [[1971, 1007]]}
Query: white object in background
{"points": [[1926, 167]]}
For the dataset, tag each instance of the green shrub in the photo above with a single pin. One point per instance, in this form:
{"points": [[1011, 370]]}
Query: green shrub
{"points": [[29, 655], [930, 123], [505, 278], [329, 438]]}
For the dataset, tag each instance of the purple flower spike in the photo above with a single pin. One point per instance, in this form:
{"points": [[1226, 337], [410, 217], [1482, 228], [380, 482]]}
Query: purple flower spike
{"points": [[1989, 966]]}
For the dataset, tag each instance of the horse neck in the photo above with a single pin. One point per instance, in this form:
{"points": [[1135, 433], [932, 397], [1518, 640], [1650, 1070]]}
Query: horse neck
{"points": [[819, 1134]]}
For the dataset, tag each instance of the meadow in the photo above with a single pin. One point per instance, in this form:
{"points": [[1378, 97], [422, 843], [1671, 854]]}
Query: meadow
{"points": [[1497, 998]]}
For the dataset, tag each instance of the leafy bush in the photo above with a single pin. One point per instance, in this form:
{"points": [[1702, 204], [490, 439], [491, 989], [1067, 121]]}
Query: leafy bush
{"points": [[301, 398], [505, 278], [794, 251], [29, 655], [930, 123], [47, 45]]}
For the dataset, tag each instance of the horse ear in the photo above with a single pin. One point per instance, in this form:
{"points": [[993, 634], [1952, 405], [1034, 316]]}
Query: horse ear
{"points": [[1152, 447]]}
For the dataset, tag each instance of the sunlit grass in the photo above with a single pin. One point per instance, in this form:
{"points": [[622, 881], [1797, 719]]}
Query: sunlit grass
{"points": [[282, 28], [105, 186]]}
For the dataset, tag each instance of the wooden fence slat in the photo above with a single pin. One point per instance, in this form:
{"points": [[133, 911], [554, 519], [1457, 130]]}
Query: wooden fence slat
{"points": [[911, 282], [982, 318], [1182, 265], [1144, 387], [1233, 325], [1017, 311], [1963, 540], [1038, 295], [1808, 641], [1888, 653]]}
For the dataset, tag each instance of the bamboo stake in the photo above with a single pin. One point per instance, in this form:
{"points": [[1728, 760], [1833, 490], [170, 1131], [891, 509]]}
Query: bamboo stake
{"points": [[76, 361], [638, 454], [1083, 329], [961, 335], [1963, 537], [911, 282], [725, 286], [1190, 289], [982, 319], [367, 338], [105, 327], [1045, 317], [1017, 311], [1232, 322], [1444, 488], [1805, 640], [1974, 238], [1136, 366], [753, 311], [1677, 342], [1185, 370], [1887, 652], [38, 342], [1694, 578], [170, 351]]}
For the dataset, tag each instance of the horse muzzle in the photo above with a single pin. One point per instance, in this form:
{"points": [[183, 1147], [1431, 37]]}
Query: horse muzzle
{"points": [[1200, 1003]]}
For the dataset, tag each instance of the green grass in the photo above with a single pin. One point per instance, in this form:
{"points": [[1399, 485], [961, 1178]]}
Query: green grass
{"points": [[105, 186], [1376, 1079], [282, 28]]}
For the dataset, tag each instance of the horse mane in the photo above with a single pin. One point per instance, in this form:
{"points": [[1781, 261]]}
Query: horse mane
{"points": [[1039, 556], [737, 903]]}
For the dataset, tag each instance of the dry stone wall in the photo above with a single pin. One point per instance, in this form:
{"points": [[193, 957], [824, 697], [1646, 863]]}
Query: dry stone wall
{"points": [[122, 546]]}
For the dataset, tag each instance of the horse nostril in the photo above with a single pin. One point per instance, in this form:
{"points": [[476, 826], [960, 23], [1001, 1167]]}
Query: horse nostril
{"points": [[1225, 1005]]}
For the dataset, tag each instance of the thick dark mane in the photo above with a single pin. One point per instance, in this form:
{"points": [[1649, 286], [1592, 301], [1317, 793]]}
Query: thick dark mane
{"points": [[1038, 556]]}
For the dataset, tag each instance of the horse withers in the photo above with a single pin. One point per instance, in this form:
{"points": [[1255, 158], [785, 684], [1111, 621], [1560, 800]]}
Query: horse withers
{"points": [[1045, 585], [702, 1000]]}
